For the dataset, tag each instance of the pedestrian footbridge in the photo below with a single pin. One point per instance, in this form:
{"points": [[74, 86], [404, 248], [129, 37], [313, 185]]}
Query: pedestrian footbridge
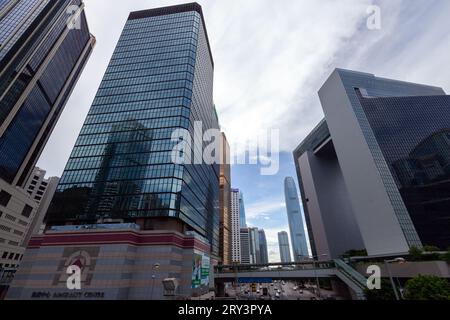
{"points": [[336, 269]]}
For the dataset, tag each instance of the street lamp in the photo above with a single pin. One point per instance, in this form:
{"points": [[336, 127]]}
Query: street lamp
{"points": [[316, 275], [155, 268], [386, 263]]}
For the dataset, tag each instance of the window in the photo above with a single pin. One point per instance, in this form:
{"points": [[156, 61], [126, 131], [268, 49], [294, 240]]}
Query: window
{"points": [[4, 198], [16, 257], [11, 255], [5, 254], [27, 211]]}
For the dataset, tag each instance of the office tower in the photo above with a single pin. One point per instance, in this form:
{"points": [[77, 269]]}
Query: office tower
{"points": [[285, 251], [374, 173], [242, 218], [41, 190], [44, 47], [235, 227], [255, 254], [225, 202], [246, 257], [295, 217], [121, 190], [263, 247]]}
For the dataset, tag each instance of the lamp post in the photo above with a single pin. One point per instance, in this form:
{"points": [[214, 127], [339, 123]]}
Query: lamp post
{"points": [[155, 268], [386, 263], [319, 295]]}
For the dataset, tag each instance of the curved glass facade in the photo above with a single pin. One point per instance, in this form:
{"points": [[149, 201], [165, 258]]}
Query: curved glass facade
{"points": [[159, 80], [414, 136], [295, 217]]}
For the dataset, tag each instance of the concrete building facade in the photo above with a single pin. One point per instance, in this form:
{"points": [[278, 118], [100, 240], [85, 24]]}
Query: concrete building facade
{"points": [[370, 171]]}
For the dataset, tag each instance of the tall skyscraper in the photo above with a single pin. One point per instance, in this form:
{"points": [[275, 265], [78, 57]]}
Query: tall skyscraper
{"points": [[245, 244], [235, 227], [44, 46], [242, 217], [296, 224], [264, 253], [285, 250], [374, 173], [121, 190], [255, 253], [160, 79], [225, 203]]}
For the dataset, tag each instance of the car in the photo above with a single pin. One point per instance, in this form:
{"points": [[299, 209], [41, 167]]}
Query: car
{"points": [[277, 295], [295, 288]]}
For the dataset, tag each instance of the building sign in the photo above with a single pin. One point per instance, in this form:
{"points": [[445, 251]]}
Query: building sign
{"points": [[67, 295], [200, 270]]}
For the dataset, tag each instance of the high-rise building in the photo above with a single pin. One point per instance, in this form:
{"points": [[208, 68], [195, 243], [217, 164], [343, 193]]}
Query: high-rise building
{"points": [[296, 224], [225, 203], [44, 46], [374, 174], [242, 217], [245, 244], [41, 190], [121, 191], [264, 253], [235, 227], [285, 250], [255, 254]]}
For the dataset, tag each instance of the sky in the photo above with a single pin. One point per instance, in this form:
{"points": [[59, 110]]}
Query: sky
{"points": [[271, 58]]}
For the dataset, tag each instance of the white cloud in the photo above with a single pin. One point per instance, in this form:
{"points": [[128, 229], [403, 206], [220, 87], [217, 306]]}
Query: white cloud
{"points": [[264, 209]]}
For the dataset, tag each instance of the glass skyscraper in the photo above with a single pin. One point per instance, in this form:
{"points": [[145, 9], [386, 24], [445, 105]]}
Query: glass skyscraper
{"points": [[160, 79], [41, 58], [285, 251], [295, 217], [242, 217], [44, 46], [264, 258]]}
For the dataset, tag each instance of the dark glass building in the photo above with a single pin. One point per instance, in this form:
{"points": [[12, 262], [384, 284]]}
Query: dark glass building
{"points": [[414, 136], [41, 58], [44, 46], [159, 79]]}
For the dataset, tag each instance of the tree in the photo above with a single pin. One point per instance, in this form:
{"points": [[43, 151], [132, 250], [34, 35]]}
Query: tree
{"points": [[415, 253], [427, 288], [430, 249], [386, 292]]}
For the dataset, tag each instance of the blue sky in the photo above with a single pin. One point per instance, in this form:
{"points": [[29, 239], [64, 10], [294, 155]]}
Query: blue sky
{"points": [[271, 58]]}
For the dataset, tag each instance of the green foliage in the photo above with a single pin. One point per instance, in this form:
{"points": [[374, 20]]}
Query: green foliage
{"points": [[415, 253], [446, 256], [431, 249], [386, 292], [427, 288]]}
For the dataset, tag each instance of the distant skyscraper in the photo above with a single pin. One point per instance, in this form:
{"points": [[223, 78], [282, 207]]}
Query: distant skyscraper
{"points": [[121, 191], [41, 59], [235, 227], [255, 253], [245, 244], [285, 251], [242, 217], [225, 203], [375, 173], [295, 217], [263, 247]]}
